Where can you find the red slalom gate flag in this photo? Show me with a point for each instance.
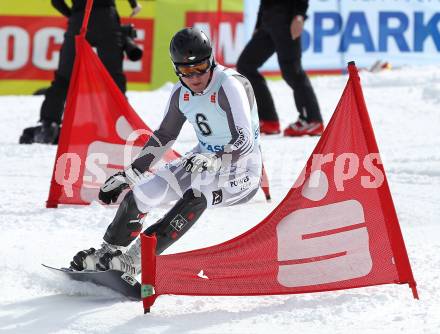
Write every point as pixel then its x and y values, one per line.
pixel 336 228
pixel 101 132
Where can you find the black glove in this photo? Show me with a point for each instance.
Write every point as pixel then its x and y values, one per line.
pixel 197 163
pixel 115 184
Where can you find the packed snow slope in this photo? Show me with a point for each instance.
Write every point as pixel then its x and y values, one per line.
pixel 404 106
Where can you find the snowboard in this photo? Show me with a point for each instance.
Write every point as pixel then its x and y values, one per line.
pixel 116 280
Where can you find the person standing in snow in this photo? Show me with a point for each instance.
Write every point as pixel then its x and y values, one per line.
pixel 278 29
pixel 224 168
pixel 106 35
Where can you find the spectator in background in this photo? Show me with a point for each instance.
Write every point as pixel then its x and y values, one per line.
pixel 278 29
pixel 104 33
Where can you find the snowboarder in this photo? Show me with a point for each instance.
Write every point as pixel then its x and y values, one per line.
pixel 224 168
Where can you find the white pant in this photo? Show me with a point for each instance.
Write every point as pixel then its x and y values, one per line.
pixel 235 184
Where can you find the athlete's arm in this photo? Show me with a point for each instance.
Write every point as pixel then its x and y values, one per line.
pixel 236 98
pixel 163 138
pixel 61 6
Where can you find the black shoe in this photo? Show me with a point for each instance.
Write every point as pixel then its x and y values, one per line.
pixel 47 134
pixel 27 137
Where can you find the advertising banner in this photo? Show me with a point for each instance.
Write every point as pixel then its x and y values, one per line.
pixel 401 32
pixel 34 48
pixel 31 37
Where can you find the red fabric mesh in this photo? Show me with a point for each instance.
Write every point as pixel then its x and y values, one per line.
pixel 97 122
pixel 317 238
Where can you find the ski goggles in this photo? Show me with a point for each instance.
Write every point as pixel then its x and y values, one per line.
pixel 190 70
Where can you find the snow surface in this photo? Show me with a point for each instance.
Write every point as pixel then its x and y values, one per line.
pixel 404 107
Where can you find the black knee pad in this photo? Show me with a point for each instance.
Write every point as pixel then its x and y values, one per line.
pixel 178 220
pixel 127 223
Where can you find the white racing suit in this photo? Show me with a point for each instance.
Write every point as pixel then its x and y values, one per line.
pixel 225 119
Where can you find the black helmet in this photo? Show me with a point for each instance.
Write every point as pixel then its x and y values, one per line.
pixel 190 46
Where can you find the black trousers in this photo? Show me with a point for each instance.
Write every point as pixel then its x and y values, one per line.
pixel 272 36
pixel 105 34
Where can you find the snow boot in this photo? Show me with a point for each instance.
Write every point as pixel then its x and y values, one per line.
pixel 303 128
pixel 48 133
pixel 27 137
pixel 269 127
pixel 128 262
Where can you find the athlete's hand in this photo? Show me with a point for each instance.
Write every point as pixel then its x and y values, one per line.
pixel 296 27
pixel 136 10
pixel 197 163
pixel 115 184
